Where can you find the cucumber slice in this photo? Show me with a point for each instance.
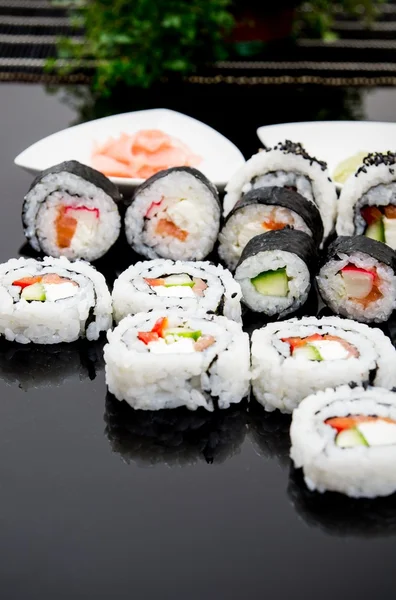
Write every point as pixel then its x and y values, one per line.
pixel 390 232
pixel 185 333
pixel 34 292
pixel 350 438
pixel 272 283
pixel 308 352
pixel 375 231
pixel 173 280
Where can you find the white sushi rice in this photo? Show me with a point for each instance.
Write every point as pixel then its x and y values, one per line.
pixel 191 206
pixel 52 322
pixel 281 381
pixel 41 208
pixel 375 187
pixel 332 288
pixel 247 222
pixel 151 381
pixel 132 294
pixel 311 181
pixel 358 472
pixel 271 260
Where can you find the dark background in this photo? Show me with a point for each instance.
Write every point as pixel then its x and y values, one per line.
pixel 184 506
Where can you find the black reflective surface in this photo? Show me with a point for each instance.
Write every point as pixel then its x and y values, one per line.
pixel 99 502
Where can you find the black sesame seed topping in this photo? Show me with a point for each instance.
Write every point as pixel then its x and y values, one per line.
pixel 376 159
pixel 289 147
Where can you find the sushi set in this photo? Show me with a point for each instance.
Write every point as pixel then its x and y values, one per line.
pixel 177 319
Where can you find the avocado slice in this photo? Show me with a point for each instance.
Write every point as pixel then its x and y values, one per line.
pixel 375 231
pixel 272 283
pixel 185 333
pixel 350 438
pixel 173 280
pixel 309 352
pixel 35 291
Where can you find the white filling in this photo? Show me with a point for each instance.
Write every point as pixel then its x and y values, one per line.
pixel 182 346
pixel 330 349
pixel 58 291
pixel 181 291
pixel 378 433
pixel 390 232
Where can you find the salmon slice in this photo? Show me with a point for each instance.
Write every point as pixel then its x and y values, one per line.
pixel 342 423
pixel 165 227
pixel 65 228
pixel 54 278
pixel 199 286
pixel 205 341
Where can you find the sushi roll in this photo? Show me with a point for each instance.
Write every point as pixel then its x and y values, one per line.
pixel 295 358
pixel 168 359
pixel 174 214
pixel 274 271
pixel 357 279
pixel 70 210
pixel 345 441
pixel 267 209
pixel 367 204
pixel 195 287
pixel 52 300
pixel 286 165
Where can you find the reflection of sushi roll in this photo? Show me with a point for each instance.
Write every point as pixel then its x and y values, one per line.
pixel 339 515
pixel 165 360
pixel 41 366
pixel 367 204
pixel 269 432
pixel 174 437
pixel 358 279
pixel 295 358
pixel 286 165
pixel 70 210
pixel 345 441
pixel 174 214
pixel 52 301
pixel 267 209
pixel 196 287
pixel 274 271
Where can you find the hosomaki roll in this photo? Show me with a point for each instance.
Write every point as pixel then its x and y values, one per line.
pixel 358 280
pixel 295 358
pixel 286 165
pixel 274 271
pixel 52 301
pixel 70 210
pixel 367 204
pixel 174 214
pixel 167 359
pixel 345 441
pixel 195 287
pixel 267 209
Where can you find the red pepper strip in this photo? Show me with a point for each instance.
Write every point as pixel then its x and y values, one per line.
pixel 148 336
pixel 160 326
pixel 26 281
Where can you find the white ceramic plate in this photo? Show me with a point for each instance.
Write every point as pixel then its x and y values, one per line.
pixel 333 141
pixel 220 157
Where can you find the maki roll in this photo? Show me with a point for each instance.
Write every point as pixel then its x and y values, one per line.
pixel 358 279
pixel 367 204
pixel 174 214
pixel 345 441
pixel 293 359
pixel 70 210
pixel 267 209
pixel 286 165
pixel 195 287
pixel 167 359
pixel 52 301
pixel 274 271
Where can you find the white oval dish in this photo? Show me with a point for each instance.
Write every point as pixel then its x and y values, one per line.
pixel 220 157
pixel 333 141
